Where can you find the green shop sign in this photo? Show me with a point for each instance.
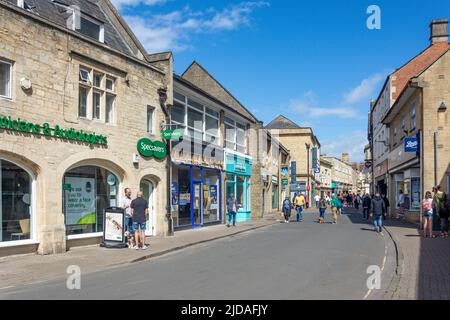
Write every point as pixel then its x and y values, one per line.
pixel 70 134
pixel 149 148
pixel 176 134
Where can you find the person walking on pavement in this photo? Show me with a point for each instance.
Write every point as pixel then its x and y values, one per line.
pixel 377 210
pixel 386 204
pixel 401 205
pixel 126 205
pixel 336 204
pixel 366 206
pixel 357 200
pixel 317 200
pixel 306 201
pixel 299 204
pixel 440 205
pixel 139 212
pixel 322 209
pixel 232 208
pixel 287 207
pixel 428 215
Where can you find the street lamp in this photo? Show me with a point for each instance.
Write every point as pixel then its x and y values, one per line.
pixel 308 146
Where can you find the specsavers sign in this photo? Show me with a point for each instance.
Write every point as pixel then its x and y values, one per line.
pixel 58 132
pixel 80 200
pixel 148 148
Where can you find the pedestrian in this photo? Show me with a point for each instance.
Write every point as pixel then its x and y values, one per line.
pixel 386 204
pixel 428 215
pixel 322 209
pixel 376 212
pixel 139 212
pixel 317 200
pixel 440 204
pixel 126 205
pixel 357 199
pixel 307 201
pixel 287 207
pixel 400 205
pixel 328 199
pixel 299 204
pixel 349 201
pixel 336 204
pixel 232 208
pixel 366 206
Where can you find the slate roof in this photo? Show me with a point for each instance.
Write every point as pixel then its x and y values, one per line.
pixel 281 122
pixel 55 12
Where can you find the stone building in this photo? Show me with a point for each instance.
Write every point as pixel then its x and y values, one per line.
pixel 419 128
pixel 304 148
pixel 77 93
pixel 342 175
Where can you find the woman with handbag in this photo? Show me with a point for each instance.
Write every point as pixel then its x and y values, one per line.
pixel 427 206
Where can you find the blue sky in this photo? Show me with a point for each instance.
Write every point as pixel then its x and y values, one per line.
pixel 314 61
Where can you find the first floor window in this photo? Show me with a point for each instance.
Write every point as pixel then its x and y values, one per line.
pixel 82 102
pixel 15 202
pixel 150 111
pixel 109 108
pixel 5 79
pixel 96 105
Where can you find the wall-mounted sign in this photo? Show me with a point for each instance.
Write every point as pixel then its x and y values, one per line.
pixel 285 170
pixel 70 134
pixel 149 148
pixel 293 172
pixel 317 170
pixel 284 181
pixel 315 161
pixel 176 134
pixel 411 144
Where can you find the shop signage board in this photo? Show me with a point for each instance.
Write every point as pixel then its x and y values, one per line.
pixel 411 144
pixel 45 129
pixel 238 164
pixel 293 172
pixel 315 161
pixel 113 228
pixel 80 202
pixel 285 181
pixel 285 170
pixel 149 148
pixel 317 170
pixel 176 134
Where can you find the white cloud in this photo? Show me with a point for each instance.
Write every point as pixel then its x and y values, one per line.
pixel 353 143
pixel 172 31
pixel 364 91
pixel 309 110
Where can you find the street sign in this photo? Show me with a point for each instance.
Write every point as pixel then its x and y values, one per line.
pixel 317 170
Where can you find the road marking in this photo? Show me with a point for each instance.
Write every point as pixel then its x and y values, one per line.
pixel 367 294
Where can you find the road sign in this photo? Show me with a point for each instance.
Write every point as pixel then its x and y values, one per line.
pixel 317 170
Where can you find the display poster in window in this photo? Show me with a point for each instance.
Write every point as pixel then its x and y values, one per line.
pixel 113 226
pixel 213 195
pixel 174 193
pixel 415 192
pixel 185 198
pixel 80 201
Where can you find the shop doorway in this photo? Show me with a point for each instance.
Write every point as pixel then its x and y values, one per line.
pixel 198 204
pixel 148 188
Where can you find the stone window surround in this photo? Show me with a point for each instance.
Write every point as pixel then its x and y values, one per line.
pixel 89 85
pixel 10 63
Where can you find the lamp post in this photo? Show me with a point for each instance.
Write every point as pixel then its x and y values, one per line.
pixel 308 146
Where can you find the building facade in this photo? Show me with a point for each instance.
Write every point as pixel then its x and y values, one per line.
pixel 72 102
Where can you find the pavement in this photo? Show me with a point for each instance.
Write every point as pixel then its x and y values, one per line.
pixel 34 268
pixel 281 261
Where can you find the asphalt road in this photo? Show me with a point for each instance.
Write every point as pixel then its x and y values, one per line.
pixel 285 261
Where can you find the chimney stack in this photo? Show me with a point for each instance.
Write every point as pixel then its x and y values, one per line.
pixel 345 157
pixel 439 31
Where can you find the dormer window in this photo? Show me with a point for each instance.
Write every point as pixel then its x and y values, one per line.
pixel 91 28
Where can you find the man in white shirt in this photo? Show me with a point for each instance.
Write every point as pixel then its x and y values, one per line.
pixel 401 205
pixel 126 205
pixel 317 200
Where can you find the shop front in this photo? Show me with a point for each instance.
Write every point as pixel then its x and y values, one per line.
pixel 238 182
pixel 196 196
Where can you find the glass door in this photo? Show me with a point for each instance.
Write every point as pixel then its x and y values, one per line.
pixel 198 204
pixel 148 190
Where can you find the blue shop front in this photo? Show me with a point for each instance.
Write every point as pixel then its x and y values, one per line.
pixel 196 195
pixel 238 181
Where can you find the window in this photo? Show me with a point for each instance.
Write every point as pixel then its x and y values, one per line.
pixel 235 135
pixel 91 28
pixel 150 111
pixel 82 104
pixel 413 117
pixel 96 105
pixel 15 203
pixel 403 122
pixel 97 98
pixel 178 113
pixel 5 79
pixel 110 108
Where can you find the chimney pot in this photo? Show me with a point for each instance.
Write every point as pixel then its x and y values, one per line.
pixel 439 31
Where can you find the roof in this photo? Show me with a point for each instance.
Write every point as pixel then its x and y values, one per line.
pixel 198 75
pixel 281 122
pixel 416 66
pixel 55 11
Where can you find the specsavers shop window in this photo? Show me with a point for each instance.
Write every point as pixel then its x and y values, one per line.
pixel 15 202
pixel 88 191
